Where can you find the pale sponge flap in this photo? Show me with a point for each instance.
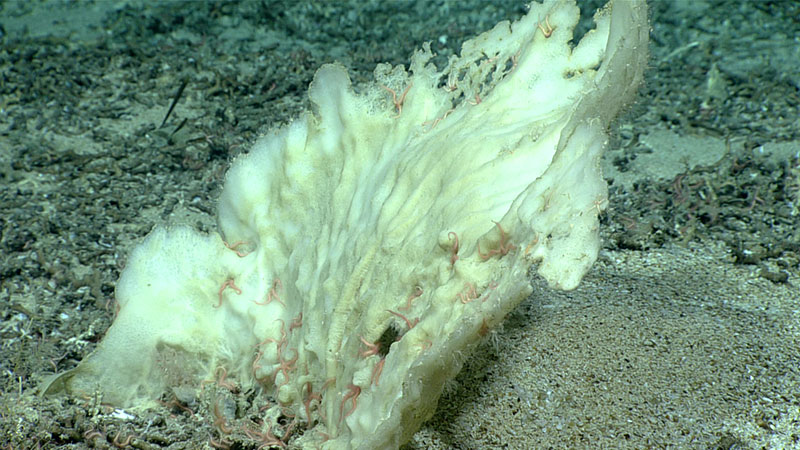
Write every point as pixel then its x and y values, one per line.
pixel 168 330
pixel 368 246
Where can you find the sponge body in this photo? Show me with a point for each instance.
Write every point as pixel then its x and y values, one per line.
pixel 366 247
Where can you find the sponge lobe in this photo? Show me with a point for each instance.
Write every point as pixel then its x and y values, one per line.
pixel 166 309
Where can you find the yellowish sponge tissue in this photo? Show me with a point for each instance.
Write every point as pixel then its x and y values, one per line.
pixel 364 249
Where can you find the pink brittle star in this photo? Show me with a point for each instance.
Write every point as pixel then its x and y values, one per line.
pixel 398 102
pixel 417 292
pixel 228 283
pixel 236 245
pixel 504 248
pixel 273 294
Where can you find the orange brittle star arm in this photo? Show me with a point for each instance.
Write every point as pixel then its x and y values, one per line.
pixel 408 322
pixel 454 256
pixel 236 245
pixel 547 30
pixel 352 396
pixel 372 349
pixel 376 371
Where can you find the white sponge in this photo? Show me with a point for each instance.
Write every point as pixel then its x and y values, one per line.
pixel 368 246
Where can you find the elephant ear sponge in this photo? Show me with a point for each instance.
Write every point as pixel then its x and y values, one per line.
pixel 365 248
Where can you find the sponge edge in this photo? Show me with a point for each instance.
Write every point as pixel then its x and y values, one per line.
pixel 168 319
